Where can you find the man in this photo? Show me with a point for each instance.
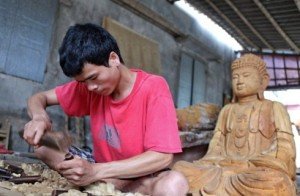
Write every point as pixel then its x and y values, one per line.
pixel 133 119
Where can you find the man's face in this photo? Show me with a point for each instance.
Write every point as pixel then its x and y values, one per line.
pixel 99 79
pixel 246 81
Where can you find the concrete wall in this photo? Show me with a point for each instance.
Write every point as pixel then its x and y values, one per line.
pixel 14 91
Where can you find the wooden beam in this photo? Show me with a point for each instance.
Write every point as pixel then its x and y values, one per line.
pixel 172 1
pixel 216 9
pixel 249 24
pixel 298 4
pixel 277 27
pixel 148 14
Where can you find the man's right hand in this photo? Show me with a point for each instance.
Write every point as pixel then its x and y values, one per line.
pixel 40 123
pixel 35 129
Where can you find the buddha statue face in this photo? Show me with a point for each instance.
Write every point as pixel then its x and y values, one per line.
pixel 249 77
pixel 246 81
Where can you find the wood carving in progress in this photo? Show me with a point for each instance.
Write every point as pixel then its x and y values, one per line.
pixel 252 151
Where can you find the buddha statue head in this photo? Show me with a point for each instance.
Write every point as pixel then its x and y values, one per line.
pixel 249 77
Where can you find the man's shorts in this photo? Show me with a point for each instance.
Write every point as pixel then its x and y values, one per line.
pixel 82 153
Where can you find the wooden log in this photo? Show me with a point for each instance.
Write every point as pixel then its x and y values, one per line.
pixel 198 117
pixel 190 139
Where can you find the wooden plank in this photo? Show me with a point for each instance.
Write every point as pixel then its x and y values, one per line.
pixel 5 127
pixel 137 50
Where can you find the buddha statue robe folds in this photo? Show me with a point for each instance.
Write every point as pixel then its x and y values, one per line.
pixel 252 151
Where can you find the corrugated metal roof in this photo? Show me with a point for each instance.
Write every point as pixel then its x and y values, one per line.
pixel 257 24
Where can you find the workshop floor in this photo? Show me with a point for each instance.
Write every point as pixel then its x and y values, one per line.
pixel 30 160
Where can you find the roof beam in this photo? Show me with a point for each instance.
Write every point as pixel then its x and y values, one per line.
pixel 216 9
pixel 298 4
pixel 276 25
pixel 249 24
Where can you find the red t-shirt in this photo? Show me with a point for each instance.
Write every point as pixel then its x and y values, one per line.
pixel 144 120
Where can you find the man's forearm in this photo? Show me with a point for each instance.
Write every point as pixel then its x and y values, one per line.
pixel 141 165
pixel 34 129
pixel 36 106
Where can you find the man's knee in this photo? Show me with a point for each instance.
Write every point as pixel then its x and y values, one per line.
pixel 171 183
pixel 48 156
pixel 40 152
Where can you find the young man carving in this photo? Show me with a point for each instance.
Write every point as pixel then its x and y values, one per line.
pixel 133 119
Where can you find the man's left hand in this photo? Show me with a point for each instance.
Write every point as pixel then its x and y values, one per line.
pixel 78 171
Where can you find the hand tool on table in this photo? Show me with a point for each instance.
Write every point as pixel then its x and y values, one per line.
pixel 7 174
pixel 15 169
pixel 8 169
pixel 57 140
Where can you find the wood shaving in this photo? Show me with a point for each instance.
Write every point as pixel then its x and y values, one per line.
pixel 32 169
pixel 73 192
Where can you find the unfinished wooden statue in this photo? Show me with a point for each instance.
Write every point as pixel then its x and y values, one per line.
pixel 252 151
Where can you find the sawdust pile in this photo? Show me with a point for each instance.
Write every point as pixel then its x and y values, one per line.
pixel 52 180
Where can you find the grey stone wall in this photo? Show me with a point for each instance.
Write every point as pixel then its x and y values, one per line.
pixel 15 91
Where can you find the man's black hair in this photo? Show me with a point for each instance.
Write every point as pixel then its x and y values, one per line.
pixel 86 43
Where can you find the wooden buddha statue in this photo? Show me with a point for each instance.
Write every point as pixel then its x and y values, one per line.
pixel 252 151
